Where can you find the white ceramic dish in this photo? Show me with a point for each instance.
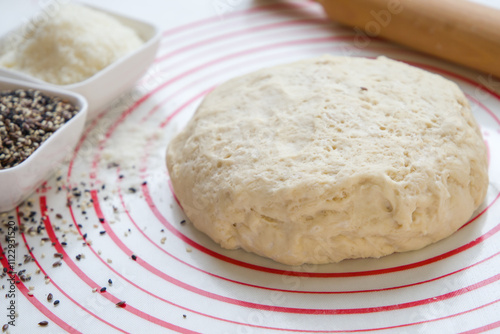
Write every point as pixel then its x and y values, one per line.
pixel 19 182
pixel 107 84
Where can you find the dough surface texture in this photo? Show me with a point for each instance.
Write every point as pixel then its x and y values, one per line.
pixel 330 158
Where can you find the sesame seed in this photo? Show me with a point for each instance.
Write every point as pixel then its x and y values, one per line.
pixel 56 302
pixel 121 303
pixel 103 289
pixel 134 257
pixel 43 323
pixel 49 297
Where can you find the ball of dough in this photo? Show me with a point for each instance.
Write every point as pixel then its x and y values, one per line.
pixel 330 158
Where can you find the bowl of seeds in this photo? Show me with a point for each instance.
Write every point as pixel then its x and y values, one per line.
pixel 39 127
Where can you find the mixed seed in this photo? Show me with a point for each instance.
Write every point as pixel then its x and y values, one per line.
pixel 27 119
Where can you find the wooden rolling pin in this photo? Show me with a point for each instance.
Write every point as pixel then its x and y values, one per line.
pixel 456 30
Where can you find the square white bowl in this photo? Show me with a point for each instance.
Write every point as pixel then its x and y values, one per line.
pixel 18 182
pixel 116 78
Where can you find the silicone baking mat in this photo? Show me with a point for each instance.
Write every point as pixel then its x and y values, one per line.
pixel 106 228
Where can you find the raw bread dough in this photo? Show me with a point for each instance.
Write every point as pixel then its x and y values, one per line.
pixel 330 158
